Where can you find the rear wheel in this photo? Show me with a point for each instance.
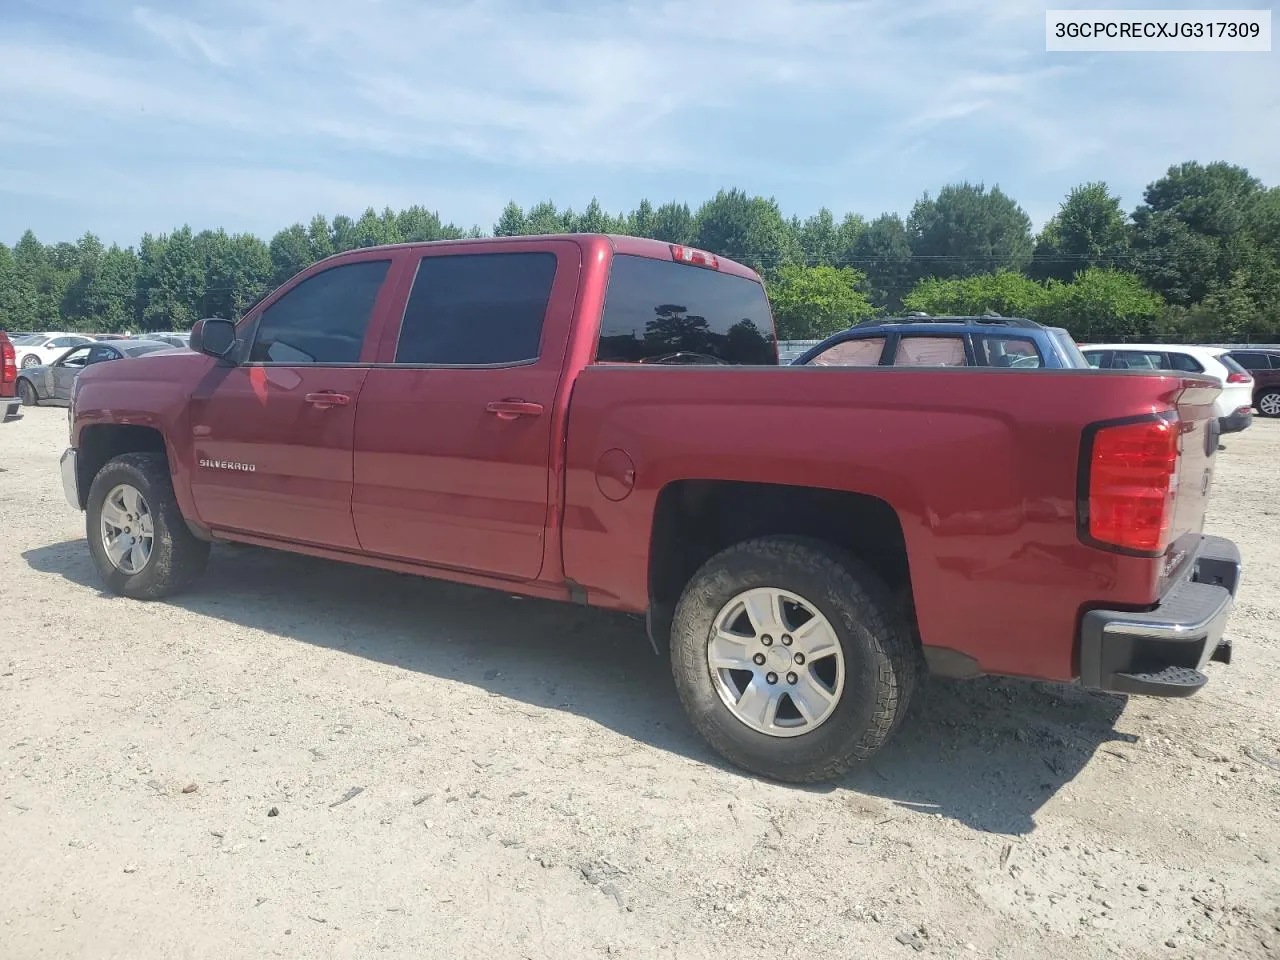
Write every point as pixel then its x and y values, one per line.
pixel 28 393
pixel 139 541
pixel 792 659
pixel 1269 403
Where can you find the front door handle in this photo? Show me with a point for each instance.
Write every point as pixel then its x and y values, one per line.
pixel 512 409
pixel 327 398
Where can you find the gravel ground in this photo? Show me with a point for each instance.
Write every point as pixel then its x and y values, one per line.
pixel 305 759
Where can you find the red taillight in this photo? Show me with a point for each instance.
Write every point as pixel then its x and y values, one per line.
pixel 8 362
pixel 697 258
pixel 1239 378
pixel 1132 467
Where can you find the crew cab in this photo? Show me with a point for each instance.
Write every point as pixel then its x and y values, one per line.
pixel 603 420
pixel 9 399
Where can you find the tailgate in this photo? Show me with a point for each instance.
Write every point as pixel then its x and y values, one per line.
pixel 1197 452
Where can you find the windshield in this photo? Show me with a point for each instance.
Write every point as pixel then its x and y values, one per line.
pixel 26 340
pixel 138 349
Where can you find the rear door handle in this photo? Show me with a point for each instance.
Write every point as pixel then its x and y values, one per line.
pixel 512 409
pixel 327 398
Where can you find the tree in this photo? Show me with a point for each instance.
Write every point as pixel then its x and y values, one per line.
pixel 883 252
pixel 641 220
pixel 319 237
pixel 171 281
pixel 1089 230
pixel 968 230
pixel 544 219
pixel 1102 304
pixel 814 302
pixel 344 233
pixel 110 298
pixel 750 230
pixel 511 223
pixel 673 222
pixel 1004 292
pixel 821 243
pixel 291 251
pixel 1189 234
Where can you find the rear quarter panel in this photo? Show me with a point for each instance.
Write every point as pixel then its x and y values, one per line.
pixel 981 467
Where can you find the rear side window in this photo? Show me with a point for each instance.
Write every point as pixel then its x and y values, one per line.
pixel 1251 361
pixel 851 353
pixel 1093 358
pixel 658 311
pixel 477 309
pixel 323 319
pixel 1137 360
pixel 1187 363
pixel 930 352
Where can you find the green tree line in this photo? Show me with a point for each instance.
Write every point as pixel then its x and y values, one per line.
pixel 1198 259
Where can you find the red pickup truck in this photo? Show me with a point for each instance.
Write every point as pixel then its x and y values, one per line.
pixel 603 420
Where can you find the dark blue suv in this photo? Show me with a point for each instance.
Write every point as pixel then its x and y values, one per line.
pixel 921 340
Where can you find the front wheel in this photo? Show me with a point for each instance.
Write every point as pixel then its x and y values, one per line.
pixel 139 541
pixel 1269 404
pixel 27 393
pixel 792 659
pixel 29 361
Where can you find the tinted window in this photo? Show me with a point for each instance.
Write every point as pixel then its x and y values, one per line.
pixel 1250 361
pixel 477 309
pixel 1009 352
pixel 1231 364
pixel 851 353
pixel 930 352
pixel 657 311
pixel 1185 363
pixel 323 319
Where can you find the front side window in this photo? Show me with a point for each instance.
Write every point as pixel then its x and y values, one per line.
pixel 477 309
pixel 1093 358
pixel 851 353
pixel 323 319
pixel 97 354
pixel 658 311
pixel 1010 352
pixel 76 358
pixel 930 352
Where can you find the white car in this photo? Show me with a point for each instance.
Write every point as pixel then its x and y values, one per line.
pixel 1234 406
pixel 41 349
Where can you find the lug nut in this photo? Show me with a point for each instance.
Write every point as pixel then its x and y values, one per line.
pixel 771 677
pixel 799 659
pixel 759 659
pixel 792 679
pixel 767 640
pixel 786 639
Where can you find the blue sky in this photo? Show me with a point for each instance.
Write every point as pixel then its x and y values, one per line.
pixel 252 114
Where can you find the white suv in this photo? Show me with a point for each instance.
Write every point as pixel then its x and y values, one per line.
pixel 1234 406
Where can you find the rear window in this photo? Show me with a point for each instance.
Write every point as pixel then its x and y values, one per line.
pixel 657 311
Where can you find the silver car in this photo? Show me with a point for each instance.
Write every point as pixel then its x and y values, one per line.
pixel 52 383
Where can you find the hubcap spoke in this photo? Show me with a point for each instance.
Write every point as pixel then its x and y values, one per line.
pixel 728 651
pixel 816 639
pixel 113 514
pixel 117 548
pixel 131 500
pixel 764 607
pixel 759 702
pixel 811 698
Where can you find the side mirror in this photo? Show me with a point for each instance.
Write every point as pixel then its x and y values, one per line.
pixel 213 336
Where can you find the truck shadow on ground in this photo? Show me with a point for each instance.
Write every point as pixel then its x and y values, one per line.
pixel 987 753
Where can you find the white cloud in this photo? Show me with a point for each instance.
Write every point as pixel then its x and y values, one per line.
pixel 861 105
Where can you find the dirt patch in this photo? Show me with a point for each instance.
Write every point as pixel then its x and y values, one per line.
pixel 301 758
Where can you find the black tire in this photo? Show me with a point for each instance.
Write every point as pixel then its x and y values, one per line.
pixel 27 393
pixel 882 663
pixel 1270 398
pixel 177 558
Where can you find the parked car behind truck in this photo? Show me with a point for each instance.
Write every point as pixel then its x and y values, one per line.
pixel 520 413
